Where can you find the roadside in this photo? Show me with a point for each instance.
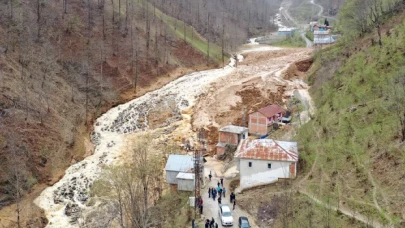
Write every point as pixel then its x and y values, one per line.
pixel 210 206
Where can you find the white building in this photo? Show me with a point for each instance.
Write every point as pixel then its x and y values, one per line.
pixel 323 37
pixel 264 161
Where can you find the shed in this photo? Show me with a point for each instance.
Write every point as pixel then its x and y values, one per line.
pixel 177 164
pixel 185 181
pixel 231 135
pixel 284 31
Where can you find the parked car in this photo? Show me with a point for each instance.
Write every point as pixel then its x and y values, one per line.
pixel 225 215
pixel 244 222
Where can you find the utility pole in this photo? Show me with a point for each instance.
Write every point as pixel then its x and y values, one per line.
pixel 198 167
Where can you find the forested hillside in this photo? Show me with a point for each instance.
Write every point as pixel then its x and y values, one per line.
pixel 63 62
pixel 353 150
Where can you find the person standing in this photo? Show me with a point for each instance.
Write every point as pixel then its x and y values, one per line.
pixel 193 223
pixel 218 184
pixel 201 209
pixel 207 223
pixel 222 181
pixel 219 199
pixel 209 192
pixel 214 194
pixel 210 176
pixel 212 223
pixel 216 225
pixel 224 191
pixel 234 204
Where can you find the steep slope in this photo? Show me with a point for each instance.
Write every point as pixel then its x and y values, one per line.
pixel 354 146
pixel 63 63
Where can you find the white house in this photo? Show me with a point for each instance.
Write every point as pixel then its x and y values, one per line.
pixel 264 161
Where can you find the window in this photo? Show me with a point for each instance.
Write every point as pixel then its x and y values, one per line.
pixel 250 164
pixel 269 165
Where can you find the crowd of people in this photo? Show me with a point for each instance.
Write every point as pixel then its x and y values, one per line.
pixel 214 192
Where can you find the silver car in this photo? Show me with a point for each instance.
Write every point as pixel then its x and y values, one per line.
pixel 225 215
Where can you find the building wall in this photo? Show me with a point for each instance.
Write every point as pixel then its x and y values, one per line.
pixel 171 177
pixel 257 124
pixel 279 169
pixel 185 185
pixel 259 174
pixel 227 137
pixel 293 170
pixel 220 150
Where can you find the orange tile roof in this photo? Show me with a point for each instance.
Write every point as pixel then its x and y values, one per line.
pixel 267 149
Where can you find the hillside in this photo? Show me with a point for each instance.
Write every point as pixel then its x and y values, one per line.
pixel 353 149
pixel 63 63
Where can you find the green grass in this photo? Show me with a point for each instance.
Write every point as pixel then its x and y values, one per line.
pixel 192 37
pixel 304 12
pixel 350 144
pixel 294 41
pixel 309 35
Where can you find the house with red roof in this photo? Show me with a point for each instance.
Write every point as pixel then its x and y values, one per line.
pixel 264 161
pixel 260 121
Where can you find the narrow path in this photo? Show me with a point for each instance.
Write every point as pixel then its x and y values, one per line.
pixel 350 213
pixel 321 11
pixel 211 206
pixel 375 201
pixel 285 6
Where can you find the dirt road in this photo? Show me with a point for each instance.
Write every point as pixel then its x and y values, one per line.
pixel 211 206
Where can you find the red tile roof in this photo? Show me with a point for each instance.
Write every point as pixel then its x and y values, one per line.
pixel 267 149
pixel 271 110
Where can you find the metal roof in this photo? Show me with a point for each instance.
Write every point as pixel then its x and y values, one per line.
pixel 181 163
pixel 186 176
pixel 221 144
pixel 271 110
pixel 234 129
pixel 267 149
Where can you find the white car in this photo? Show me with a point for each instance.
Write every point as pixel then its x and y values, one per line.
pixel 225 215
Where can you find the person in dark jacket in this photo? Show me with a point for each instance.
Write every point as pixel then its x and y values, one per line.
pixel 207 223
pixel 222 181
pixel 219 199
pixel 234 204
pixel 212 223
pixel 216 225
pixel 209 192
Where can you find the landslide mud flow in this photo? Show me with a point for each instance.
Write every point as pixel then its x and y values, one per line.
pixel 202 98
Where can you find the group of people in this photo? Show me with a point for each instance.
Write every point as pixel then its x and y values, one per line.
pixel 213 192
pixel 211 223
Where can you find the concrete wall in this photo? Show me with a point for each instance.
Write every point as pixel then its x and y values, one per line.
pixel 185 185
pixel 259 174
pixel 279 169
pixel 257 124
pixel 171 177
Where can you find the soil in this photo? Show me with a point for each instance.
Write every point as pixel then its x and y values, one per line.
pixel 258 81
